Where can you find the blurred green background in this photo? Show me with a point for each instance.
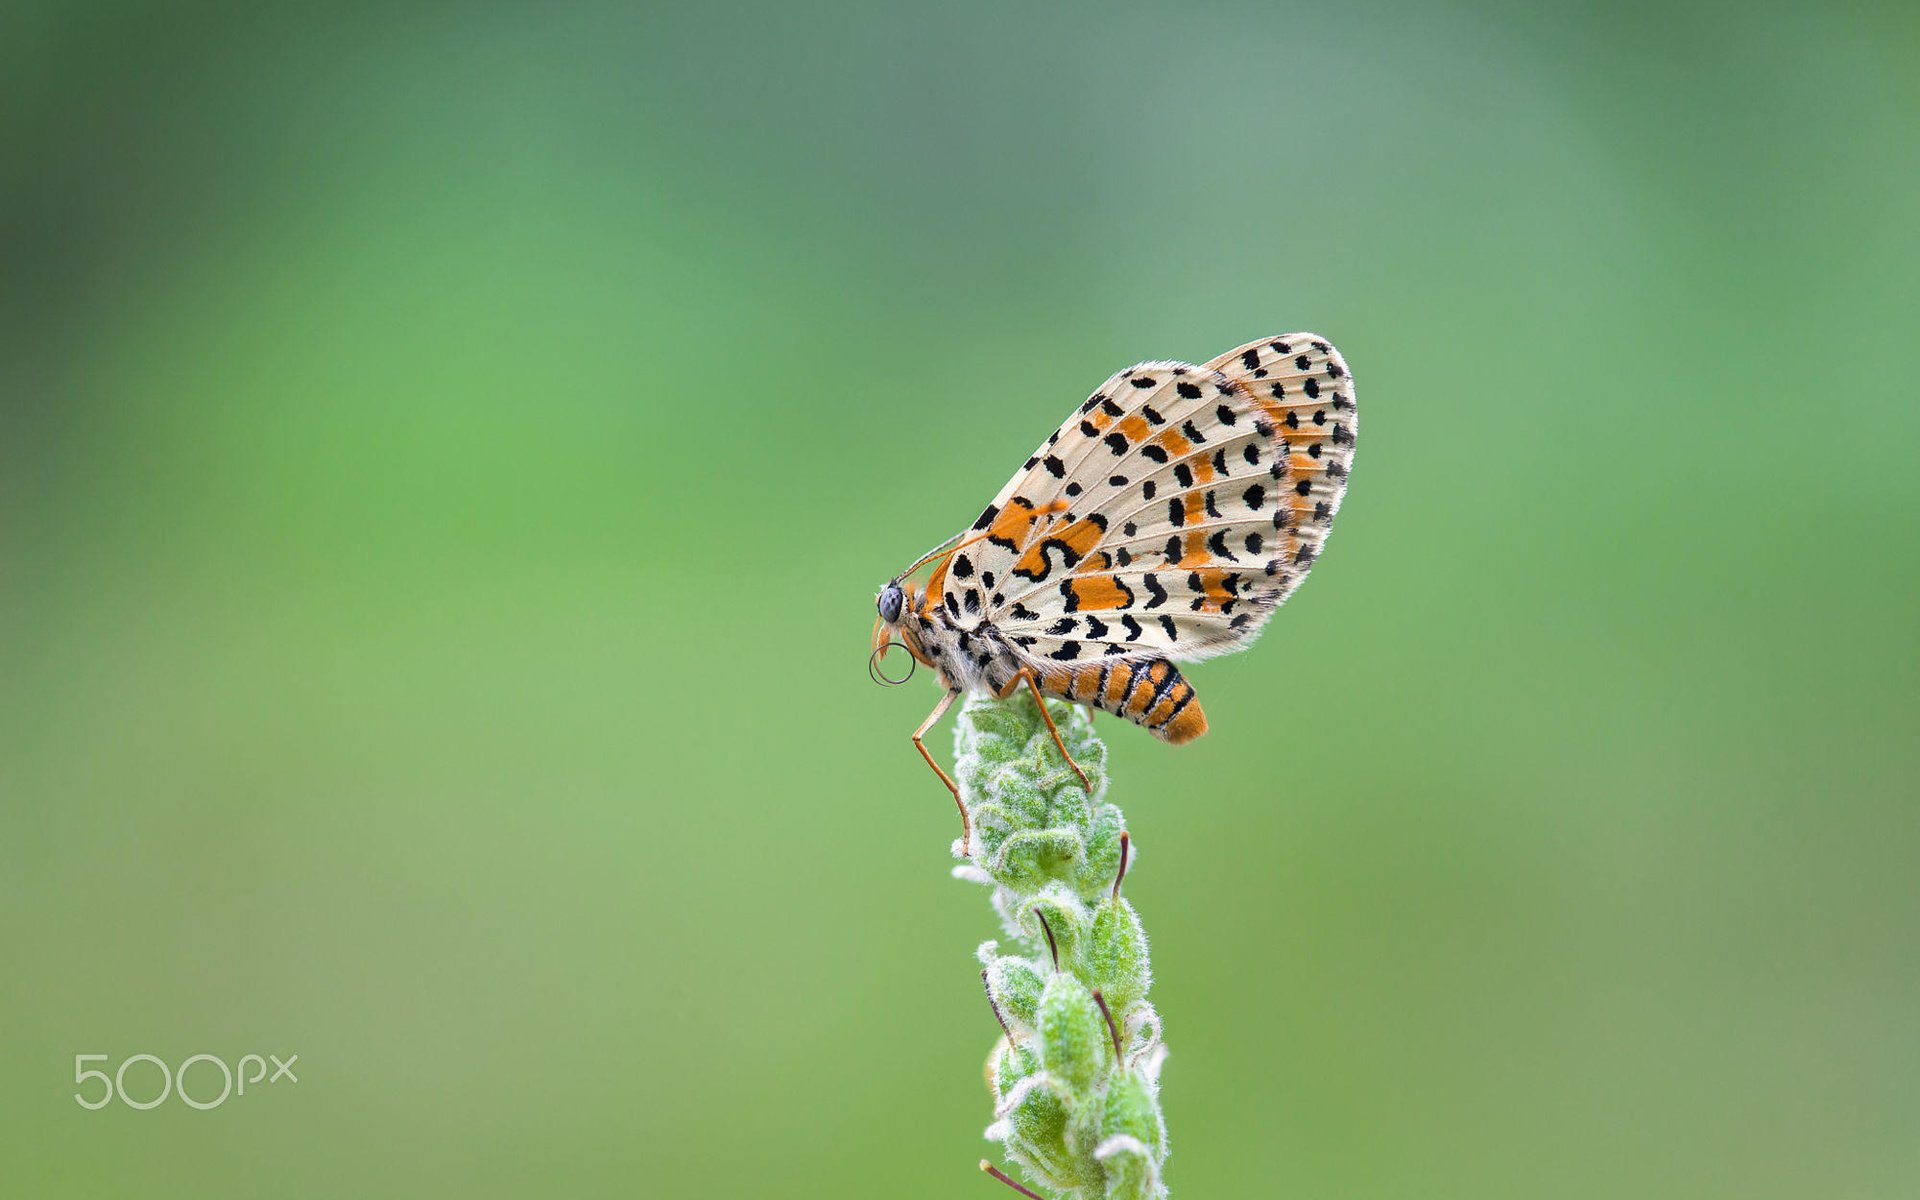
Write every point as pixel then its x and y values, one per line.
pixel 447 453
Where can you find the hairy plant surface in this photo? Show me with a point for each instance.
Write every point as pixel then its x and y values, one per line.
pixel 1075 1079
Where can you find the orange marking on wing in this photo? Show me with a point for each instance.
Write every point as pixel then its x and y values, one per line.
pixel 1083 535
pixel 1193 551
pixel 1080 537
pixel 1098 592
pixel 936 587
pixel 1134 427
pixel 1013 523
pixel 1175 442
pixel 1214 580
pixel 1202 468
pixel 1016 524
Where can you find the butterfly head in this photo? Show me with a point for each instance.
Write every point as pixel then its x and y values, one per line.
pixel 894 627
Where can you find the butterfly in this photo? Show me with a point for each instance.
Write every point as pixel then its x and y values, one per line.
pixel 1162 523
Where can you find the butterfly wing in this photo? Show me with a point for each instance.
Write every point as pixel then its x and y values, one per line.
pixel 1172 513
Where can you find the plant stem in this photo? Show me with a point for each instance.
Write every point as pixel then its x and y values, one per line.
pixel 1075 1076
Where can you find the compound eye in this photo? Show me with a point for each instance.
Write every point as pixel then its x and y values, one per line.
pixel 890 600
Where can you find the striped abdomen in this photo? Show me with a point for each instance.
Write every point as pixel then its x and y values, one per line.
pixel 1151 693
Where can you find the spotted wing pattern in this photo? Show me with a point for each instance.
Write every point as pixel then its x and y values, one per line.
pixel 1171 514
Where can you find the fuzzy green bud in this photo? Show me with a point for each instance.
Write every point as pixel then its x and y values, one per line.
pixel 1073 1035
pixel 1016 984
pixel 1117 955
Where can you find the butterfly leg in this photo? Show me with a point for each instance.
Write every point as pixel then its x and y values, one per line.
pixel 940 710
pixel 1033 684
